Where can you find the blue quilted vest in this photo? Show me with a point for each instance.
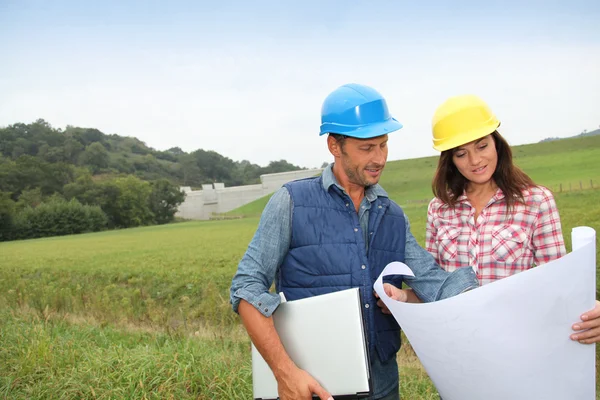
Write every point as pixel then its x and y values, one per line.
pixel 327 253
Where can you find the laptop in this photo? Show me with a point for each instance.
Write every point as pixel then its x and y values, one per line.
pixel 324 335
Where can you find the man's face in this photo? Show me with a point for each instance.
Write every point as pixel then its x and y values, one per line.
pixel 363 160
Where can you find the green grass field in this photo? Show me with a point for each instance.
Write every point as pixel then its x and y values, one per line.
pixel 144 313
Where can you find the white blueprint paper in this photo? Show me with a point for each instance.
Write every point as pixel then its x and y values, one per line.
pixel 508 339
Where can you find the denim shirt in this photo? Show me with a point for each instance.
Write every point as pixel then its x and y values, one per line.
pixel 258 268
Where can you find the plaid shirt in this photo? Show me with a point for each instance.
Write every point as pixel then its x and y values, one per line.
pixel 498 244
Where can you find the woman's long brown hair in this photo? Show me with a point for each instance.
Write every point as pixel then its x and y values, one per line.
pixel 449 184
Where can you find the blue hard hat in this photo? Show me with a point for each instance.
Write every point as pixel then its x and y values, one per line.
pixel 357 111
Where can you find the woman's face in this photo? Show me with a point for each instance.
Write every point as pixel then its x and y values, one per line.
pixel 476 160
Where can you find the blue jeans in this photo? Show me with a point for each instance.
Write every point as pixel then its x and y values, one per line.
pixel 384 378
pixel 394 395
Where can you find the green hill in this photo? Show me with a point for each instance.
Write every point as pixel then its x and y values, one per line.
pixel 551 164
pixel 54 150
pixel 582 134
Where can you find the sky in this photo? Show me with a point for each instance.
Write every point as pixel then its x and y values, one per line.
pixel 247 78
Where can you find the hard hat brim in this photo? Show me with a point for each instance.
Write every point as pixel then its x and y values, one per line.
pixel 466 137
pixel 362 132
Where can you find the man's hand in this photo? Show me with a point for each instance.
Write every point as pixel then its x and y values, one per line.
pixel 297 384
pixel 591 326
pixel 392 291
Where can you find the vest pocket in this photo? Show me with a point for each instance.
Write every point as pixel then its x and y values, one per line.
pixel 508 243
pixel 447 242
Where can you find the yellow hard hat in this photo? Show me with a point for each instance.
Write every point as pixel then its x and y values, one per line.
pixel 460 120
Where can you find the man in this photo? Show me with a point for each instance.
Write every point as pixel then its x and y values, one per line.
pixel 336 232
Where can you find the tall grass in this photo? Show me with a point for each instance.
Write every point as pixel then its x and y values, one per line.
pixel 53 358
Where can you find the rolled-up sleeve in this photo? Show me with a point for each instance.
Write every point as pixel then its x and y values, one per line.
pixel 431 282
pixel 259 265
pixel 431 231
pixel 547 234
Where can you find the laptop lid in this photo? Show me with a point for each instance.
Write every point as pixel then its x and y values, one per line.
pixel 324 335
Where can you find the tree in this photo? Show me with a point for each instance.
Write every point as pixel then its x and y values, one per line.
pixel 52 154
pixel 29 198
pixel 121 164
pixel 71 150
pixel 36 155
pixel 9 176
pixel 33 172
pixel 85 136
pixel 245 173
pixel 22 147
pixel 176 151
pixel 7 211
pixel 132 205
pixel 279 166
pixel 95 156
pixel 213 166
pixel 82 189
pixel 164 200
pixel 146 163
pixel 166 155
pixel 192 176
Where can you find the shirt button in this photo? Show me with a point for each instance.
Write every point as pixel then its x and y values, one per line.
pixel 355 229
pixel 363 266
pixel 347 204
pixel 259 304
pixel 379 206
pixel 367 305
pixel 266 310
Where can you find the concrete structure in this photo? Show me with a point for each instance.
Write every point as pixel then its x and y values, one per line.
pixel 217 199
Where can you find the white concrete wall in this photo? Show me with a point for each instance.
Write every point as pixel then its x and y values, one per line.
pixel 193 206
pixel 234 197
pixel 273 182
pixel 216 198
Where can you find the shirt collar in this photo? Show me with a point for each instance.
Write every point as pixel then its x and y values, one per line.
pixel 371 192
pixel 499 195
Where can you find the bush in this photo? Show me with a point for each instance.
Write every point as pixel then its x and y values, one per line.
pixel 58 217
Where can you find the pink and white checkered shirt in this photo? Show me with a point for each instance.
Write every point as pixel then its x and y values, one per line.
pixel 498 244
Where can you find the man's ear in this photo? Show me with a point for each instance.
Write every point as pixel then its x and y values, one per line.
pixel 334 147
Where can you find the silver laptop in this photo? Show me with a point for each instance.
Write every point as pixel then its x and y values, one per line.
pixel 324 335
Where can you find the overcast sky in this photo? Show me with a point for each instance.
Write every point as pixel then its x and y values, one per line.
pixel 247 79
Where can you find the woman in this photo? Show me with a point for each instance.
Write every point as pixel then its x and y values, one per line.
pixel 487 213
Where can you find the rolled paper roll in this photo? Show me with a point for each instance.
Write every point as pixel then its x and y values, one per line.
pixel 582 235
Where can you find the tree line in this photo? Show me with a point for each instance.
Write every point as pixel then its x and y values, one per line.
pixel 56 182
pixel 102 153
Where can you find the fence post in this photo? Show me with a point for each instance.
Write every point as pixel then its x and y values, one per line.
pixel 560 188
pixel 580 186
pixel 591 184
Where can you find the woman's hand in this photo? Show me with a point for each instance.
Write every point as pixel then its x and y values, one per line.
pixel 590 327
